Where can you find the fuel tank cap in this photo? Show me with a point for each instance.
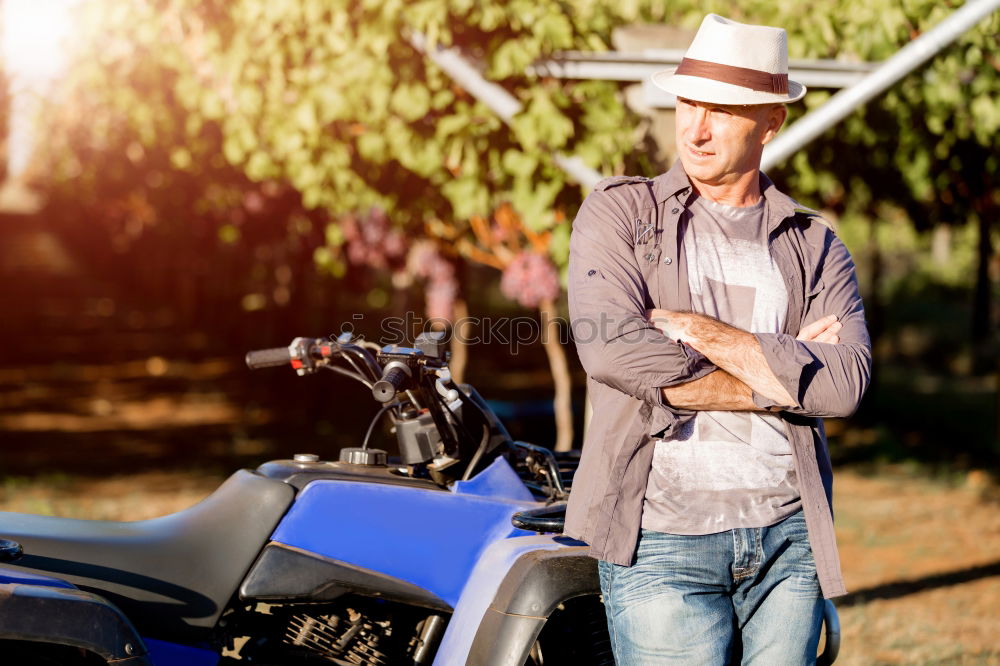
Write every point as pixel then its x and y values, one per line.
pixel 305 457
pixel 359 456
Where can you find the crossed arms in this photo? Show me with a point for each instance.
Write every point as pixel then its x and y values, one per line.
pixel 821 372
pixel 743 369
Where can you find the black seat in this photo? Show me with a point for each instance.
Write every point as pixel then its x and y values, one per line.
pixel 173 575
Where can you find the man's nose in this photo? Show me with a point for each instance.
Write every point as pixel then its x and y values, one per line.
pixel 697 129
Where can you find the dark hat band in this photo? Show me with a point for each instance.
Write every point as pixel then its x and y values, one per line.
pixel 745 77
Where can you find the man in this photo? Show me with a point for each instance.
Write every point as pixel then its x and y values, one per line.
pixel 718 322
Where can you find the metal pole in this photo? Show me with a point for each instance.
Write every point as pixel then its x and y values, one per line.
pixel 497 99
pixel 906 60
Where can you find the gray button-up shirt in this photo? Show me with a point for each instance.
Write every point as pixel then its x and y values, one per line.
pixel 625 257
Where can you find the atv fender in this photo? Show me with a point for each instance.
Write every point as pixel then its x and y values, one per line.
pixel 537 583
pixel 514 587
pixel 67 616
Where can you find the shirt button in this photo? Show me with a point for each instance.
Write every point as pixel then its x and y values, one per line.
pixel 667 260
pixel 591 272
pixel 675 211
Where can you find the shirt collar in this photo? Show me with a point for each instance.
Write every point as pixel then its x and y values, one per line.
pixel 778 202
pixel 675 183
pixel 672 183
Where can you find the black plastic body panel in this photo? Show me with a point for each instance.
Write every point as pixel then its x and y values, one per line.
pixel 511 638
pixel 65 616
pixel 537 583
pixel 173 575
pixel 301 474
pixel 284 573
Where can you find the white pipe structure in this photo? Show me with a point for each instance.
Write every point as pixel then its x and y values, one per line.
pixel 640 65
pixel 906 60
pixel 497 99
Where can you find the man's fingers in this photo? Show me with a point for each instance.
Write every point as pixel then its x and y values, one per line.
pixel 812 331
pixel 659 319
pixel 827 337
pixel 818 326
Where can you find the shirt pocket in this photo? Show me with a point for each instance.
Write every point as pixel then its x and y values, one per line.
pixel 810 299
pixel 647 257
pixel 815 290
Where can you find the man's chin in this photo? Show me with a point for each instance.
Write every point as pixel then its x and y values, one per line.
pixel 699 171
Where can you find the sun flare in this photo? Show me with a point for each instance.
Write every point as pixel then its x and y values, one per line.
pixel 34 34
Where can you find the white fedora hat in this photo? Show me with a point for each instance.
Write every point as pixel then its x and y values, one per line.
pixel 733 63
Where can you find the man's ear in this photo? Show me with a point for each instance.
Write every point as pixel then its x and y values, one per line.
pixel 775 119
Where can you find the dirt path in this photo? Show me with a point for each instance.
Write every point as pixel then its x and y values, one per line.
pixel 922 562
pixel 921 557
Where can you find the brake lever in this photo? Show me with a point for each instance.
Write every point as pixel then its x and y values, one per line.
pixel 443 377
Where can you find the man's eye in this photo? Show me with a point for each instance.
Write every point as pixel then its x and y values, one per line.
pixel 722 112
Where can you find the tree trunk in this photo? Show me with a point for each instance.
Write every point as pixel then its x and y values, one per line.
pixel 874 312
pixel 459 337
pixel 982 315
pixel 562 403
pixel 985 355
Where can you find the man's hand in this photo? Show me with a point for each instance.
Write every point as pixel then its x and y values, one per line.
pixel 821 330
pixel 674 325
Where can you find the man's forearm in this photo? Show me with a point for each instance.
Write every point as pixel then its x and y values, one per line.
pixel 734 350
pixel 717 391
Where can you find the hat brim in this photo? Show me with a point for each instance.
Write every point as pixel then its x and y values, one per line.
pixel 706 90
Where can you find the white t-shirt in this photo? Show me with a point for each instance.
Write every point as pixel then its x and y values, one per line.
pixel 724 470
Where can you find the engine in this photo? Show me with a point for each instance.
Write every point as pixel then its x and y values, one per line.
pixel 352 639
pixel 354 632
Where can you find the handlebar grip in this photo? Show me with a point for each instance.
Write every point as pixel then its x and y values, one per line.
pixel 10 550
pixel 268 358
pixel 394 379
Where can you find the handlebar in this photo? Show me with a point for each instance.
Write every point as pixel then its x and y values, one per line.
pixel 394 378
pixel 445 433
pixel 268 358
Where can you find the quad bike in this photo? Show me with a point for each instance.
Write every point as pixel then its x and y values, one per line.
pixel 449 554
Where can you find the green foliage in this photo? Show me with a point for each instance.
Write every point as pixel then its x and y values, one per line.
pixel 930 144
pixel 139 190
pixel 331 97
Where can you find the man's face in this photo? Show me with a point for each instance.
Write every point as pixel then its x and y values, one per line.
pixel 719 143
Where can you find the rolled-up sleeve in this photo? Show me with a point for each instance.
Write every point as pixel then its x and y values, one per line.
pixel 617 345
pixel 827 380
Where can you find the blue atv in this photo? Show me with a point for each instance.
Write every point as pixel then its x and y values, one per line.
pixel 450 554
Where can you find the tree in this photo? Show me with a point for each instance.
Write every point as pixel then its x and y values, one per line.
pixel 331 98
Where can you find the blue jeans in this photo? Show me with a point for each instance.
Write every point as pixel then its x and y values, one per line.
pixel 749 594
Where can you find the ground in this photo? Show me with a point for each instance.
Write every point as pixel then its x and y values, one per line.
pixel 922 562
pixel 921 555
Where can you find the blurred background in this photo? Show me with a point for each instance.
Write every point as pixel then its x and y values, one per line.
pixel 185 180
